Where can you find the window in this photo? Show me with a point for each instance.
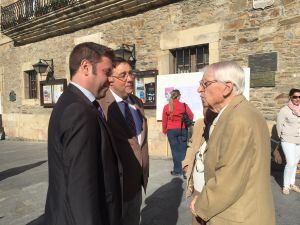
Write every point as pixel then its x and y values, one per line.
pixel 31 84
pixel 190 59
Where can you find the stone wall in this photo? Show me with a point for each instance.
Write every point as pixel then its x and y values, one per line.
pixel 242 31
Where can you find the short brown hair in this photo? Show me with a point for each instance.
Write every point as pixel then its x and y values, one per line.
pixel 90 51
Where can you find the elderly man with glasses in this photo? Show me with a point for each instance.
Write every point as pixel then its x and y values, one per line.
pixel 124 114
pixel 237 158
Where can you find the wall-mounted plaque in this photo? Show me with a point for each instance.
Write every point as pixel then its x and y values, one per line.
pixel 263 62
pixel 12 96
pixel 50 91
pixel 261 4
pixel 262 68
pixel 262 79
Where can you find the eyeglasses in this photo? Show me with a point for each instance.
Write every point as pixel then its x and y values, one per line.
pixel 295 97
pixel 204 85
pixel 124 76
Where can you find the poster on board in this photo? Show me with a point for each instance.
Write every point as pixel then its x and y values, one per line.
pixel 187 84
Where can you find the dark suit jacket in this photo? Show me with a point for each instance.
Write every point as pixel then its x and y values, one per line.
pixel 84 169
pixel 134 157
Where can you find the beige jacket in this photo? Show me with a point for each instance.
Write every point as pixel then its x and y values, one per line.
pixel 237 187
pixel 193 147
pixel 288 126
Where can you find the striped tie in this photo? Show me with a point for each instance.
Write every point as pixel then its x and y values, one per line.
pixel 100 111
pixel 129 118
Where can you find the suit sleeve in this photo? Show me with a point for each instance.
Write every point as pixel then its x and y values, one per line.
pixel 235 159
pixel 164 120
pixel 81 165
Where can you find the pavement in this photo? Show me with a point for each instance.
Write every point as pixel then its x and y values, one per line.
pixel 24 182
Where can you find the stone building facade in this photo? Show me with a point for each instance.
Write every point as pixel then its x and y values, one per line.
pixel 233 30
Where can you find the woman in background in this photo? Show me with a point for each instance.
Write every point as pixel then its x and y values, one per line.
pixel 288 128
pixel 193 162
pixel 176 131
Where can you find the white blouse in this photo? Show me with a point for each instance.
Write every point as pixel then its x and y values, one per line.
pixel 198 172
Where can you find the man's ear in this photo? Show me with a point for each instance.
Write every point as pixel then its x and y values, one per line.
pixel 85 67
pixel 228 89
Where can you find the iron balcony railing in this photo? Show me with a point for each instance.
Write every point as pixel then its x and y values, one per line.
pixel 26 10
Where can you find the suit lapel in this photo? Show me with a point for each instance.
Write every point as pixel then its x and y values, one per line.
pixel 143 119
pixel 112 111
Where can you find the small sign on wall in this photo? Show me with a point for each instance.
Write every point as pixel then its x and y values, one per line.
pixel 12 96
pixel 50 91
pixel 145 87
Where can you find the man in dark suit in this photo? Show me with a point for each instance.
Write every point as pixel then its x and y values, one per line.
pixel 84 169
pixel 125 116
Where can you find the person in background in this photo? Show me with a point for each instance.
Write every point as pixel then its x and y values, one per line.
pixel 124 113
pixel 85 173
pixel 288 129
pixel 199 137
pixel 237 187
pixel 176 131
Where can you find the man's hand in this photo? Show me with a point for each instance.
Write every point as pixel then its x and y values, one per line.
pixel 192 205
pixel 192 208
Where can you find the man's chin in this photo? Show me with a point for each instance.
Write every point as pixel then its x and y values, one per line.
pixel 129 90
pixel 102 92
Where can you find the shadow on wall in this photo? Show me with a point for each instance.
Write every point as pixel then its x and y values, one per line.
pixel 162 206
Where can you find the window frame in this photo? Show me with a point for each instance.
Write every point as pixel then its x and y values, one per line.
pixel 46 86
pixel 192 57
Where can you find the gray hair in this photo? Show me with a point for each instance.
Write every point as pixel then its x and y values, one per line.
pixel 228 71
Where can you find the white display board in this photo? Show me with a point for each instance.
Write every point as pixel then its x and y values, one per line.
pixel 187 84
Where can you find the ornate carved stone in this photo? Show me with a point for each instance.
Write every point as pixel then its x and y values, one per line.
pixel 261 4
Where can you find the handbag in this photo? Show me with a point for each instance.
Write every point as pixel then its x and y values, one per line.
pixel 185 119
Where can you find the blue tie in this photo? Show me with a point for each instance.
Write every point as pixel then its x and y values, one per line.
pixel 129 118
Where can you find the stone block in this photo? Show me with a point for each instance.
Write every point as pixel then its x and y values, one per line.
pixel 234 25
pixel 26 126
pixel 264 31
pixel 190 37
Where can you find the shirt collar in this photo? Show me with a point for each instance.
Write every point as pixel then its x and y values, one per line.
pixel 118 98
pixel 86 92
pixel 217 118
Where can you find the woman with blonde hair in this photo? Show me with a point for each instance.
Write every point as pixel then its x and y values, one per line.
pixel 176 130
pixel 288 128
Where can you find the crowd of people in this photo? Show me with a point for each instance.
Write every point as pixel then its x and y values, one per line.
pixel 98 150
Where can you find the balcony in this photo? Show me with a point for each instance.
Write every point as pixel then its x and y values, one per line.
pixel 27 21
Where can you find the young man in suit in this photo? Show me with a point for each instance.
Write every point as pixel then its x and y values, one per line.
pixel 84 169
pixel 124 113
pixel 237 186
